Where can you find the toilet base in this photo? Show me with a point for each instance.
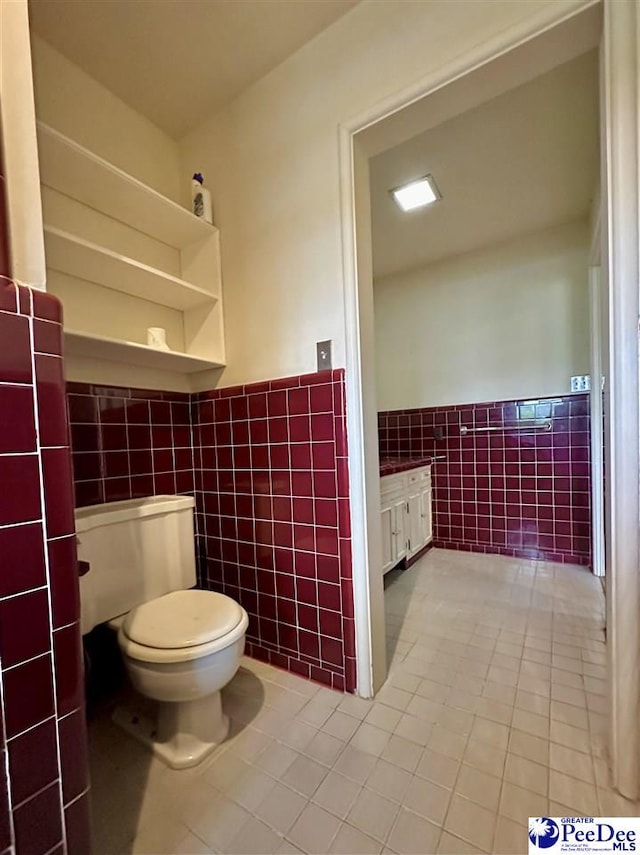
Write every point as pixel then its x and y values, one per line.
pixel 185 733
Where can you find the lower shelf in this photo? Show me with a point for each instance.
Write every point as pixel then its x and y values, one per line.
pixel 131 353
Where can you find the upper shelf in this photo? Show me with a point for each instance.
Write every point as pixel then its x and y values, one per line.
pixel 79 343
pixel 85 260
pixel 75 171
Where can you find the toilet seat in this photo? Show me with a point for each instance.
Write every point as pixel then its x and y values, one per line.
pixel 182 626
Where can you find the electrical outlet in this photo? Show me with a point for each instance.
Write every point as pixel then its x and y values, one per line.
pixel 581 383
pixel 323 355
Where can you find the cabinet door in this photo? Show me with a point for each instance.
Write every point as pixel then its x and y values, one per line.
pixel 414 520
pixel 426 514
pixel 399 530
pixel 387 528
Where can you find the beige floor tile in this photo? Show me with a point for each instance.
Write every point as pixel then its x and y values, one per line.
pixel 219 822
pixel 471 822
pixel 402 752
pixel 276 759
pixel 314 830
pixel 479 787
pixel 570 737
pixel 569 714
pixel 352 841
pixel 325 748
pixel 192 845
pixel 373 814
pixel 445 742
pixel 413 835
pixel 511 838
pixel 355 764
pixel 305 776
pixel 394 697
pixel 525 773
pixel 254 838
pixel 571 762
pixel 281 808
pixel 427 799
pixel 494 710
pixel 415 729
pixel 530 702
pixel 527 745
pixel 249 790
pixel 519 804
pixel 438 767
pixel 498 692
pixel 492 732
pixel 383 717
pixel 389 780
pixel 536 725
pixel 370 739
pixel 570 791
pixel 354 706
pixel 340 725
pixel 337 794
pixel 450 845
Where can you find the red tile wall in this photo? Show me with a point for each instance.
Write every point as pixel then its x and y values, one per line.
pixel 267 464
pixel 273 518
pixel 44 798
pixel 512 492
pixel 129 443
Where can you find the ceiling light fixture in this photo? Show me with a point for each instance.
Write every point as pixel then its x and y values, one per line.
pixel 416 194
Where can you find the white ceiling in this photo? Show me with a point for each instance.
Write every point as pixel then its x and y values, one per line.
pixel 523 161
pixel 177 61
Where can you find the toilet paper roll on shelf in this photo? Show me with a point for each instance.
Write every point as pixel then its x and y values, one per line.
pixel 157 338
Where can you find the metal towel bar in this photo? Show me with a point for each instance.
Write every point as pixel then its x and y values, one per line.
pixel 546 426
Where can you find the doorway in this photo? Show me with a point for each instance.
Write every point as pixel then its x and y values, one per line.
pixel 553 43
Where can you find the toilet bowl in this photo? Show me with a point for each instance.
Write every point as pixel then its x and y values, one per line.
pixel 180 646
pixel 180 650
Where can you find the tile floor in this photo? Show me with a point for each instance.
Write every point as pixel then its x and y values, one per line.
pixel 493 711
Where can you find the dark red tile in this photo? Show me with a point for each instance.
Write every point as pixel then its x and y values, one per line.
pixel 63 572
pixel 24 627
pixel 46 306
pixel 69 669
pixel 7 291
pixel 47 337
pixel 58 492
pixel 15 357
pixel 38 822
pixel 17 425
pixel 77 819
pixel 28 695
pixel 20 494
pixel 5 813
pixel 52 408
pixel 73 755
pixel 22 559
pixel 33 761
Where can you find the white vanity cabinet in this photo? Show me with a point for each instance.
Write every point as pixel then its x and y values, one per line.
pixel 405 514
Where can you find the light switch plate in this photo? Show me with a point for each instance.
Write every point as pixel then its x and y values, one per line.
pixel 581 383
pixel 323 355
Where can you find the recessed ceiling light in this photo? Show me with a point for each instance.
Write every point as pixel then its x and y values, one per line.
pixel 416 194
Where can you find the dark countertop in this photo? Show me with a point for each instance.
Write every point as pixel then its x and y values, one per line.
pixel 392 465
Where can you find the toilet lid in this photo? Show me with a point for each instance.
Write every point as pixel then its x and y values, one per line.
pixel 182 619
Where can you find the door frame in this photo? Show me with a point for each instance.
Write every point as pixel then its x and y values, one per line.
pixel 621 208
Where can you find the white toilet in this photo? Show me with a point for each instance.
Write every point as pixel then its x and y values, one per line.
pixel 180 646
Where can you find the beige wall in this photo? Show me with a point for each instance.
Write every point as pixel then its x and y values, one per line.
pixel 271 159
pixel 508 321
pixel 75 104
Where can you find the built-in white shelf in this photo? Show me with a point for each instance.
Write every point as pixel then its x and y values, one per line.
pixel 69 168
pixel 79 343
pixel 74 256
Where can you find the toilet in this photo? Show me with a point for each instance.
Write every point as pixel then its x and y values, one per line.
pixel 180 646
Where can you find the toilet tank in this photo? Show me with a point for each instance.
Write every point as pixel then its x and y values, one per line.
pixel 137 550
